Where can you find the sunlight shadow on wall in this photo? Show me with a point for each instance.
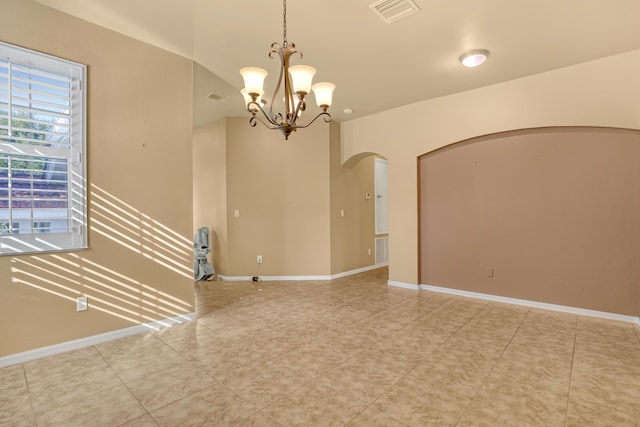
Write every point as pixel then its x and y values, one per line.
pixel 117 291
pixel 136 231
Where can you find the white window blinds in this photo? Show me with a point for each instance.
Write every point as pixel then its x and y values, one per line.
pixel 42 145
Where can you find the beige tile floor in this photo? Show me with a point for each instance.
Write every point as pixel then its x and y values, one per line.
pixel 350 352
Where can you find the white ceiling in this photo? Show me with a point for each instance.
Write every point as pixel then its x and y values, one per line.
pixel 376 66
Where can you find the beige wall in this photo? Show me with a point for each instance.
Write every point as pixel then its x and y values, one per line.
pixel 281 190
pixel 597 93
pixel 210 189
pixel 139 265
pixel 289 195
pixel 554 212
pixel 352 235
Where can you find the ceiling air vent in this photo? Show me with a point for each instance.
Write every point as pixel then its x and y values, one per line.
pixel 392 10
pixel 217 96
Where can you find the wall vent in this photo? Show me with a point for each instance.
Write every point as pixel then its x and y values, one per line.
pixel 392 10
pixel 382 250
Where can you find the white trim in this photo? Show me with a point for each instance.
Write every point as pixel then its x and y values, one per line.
pixel 271 278
pixel 234 278
pixel 66 143
pixel 384 250
pixel 535 304
pixel 403 285
pixel 359 270
pixel 302 278
pixel 376 177
pixel 38 353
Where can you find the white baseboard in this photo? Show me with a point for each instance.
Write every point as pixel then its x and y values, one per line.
pixel 293 278
pixel 271 278
pixel 234 278
pixel 302 278
pixel 535 304
pixel 359 270
pixel 38 353
pixel 403 285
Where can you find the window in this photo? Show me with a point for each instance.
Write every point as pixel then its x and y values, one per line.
pixel 41 227
pixel 42 153
pixel 9 228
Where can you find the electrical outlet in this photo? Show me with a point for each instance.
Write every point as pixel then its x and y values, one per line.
pixel 259 259
pixel 82 304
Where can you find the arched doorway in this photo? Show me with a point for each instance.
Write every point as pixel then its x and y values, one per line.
pixel 359 217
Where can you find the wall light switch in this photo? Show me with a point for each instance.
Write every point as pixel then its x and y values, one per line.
pixel 367 196
pixel 489 272
pixel 341 212
pixel 236 213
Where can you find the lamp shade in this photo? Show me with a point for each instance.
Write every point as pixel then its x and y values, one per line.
pixel 253 79
pixel 324 93
pixel 301 78
pixel 247 99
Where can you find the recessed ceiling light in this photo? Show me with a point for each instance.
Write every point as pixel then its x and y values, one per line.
pixel 348 111
pixel 475 57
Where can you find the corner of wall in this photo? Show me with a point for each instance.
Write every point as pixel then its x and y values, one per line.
pixel 210 188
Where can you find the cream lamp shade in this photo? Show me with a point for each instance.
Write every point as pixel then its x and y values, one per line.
pixel 253 79
pixel 301 78
pixel 324 93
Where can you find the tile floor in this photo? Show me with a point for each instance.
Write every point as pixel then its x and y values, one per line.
pixel 352 352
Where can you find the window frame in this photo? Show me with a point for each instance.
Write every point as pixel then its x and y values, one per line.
pixel 70 149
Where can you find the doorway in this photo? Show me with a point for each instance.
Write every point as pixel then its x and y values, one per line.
pixel 381 191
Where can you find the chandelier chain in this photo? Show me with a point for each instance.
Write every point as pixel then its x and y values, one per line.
pixel 284 21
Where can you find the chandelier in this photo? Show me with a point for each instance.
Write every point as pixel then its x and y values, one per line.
pixel 295 81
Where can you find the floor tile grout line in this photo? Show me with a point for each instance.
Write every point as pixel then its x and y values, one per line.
pixel 220 383
pixel 26 380
pixel 149 412
pixel 42 413
pixel 139 403
pixel 125 385
pixel 573 359
pixel 383 309
pixel 315 340
pixel 392 385
pixel 493 368
pixel 403 377
pixel 29 398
